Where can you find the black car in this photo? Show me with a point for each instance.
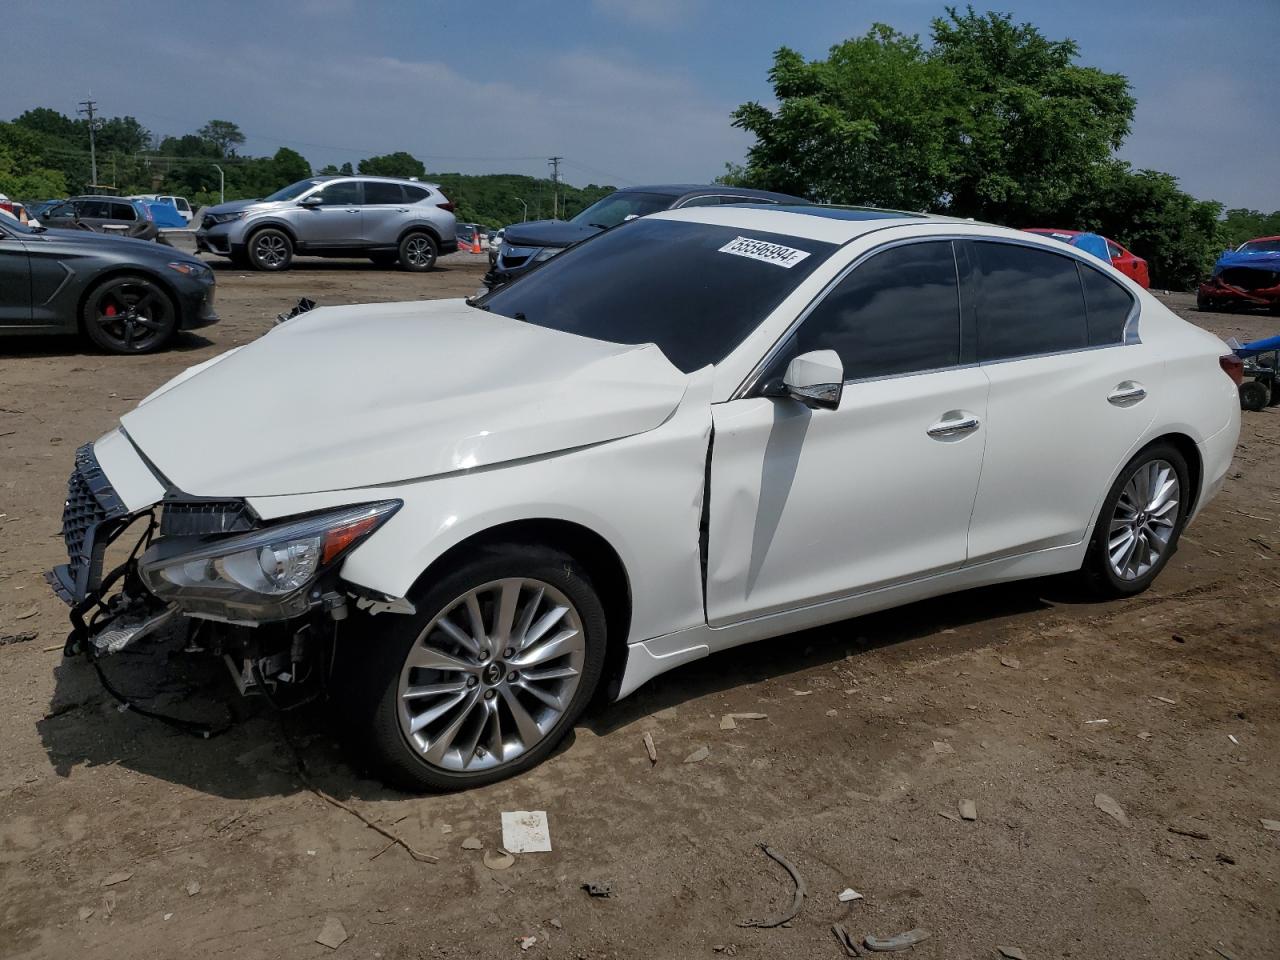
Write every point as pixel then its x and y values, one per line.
pixel 128 296
pixel 103 214
pixel 525 245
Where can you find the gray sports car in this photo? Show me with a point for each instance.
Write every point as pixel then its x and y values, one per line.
pixel 127 296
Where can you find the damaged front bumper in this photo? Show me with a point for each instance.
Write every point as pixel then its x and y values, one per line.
pixel 1240 286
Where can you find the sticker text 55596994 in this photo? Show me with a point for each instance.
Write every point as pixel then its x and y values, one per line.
pixel 774 253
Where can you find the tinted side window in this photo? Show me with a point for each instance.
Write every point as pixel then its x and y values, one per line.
pixel 414 194
pixel 1027 302
pixel 123 211
pixel 896 313
pixel 376 191
pixel 1107 304
pixel 339 194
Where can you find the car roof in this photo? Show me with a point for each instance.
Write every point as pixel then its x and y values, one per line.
pixel 1254 239
pixel 831 224
pixel 674 190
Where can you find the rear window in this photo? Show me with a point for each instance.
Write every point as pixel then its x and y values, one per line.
pixel 695 290
pixel 1108 306
pixel 1028 302
pixel 379 191
pixel 123 211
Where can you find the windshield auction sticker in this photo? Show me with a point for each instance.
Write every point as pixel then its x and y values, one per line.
pixel 774 253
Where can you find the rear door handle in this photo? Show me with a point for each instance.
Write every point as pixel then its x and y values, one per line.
pixel 1127 393
pixel 946 429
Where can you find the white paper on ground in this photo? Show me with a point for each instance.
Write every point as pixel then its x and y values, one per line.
pixel 525 831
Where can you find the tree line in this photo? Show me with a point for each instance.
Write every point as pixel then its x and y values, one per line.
pixel 44 154
pixel 991 120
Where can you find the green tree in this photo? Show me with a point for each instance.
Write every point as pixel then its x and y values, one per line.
pixel 993 120
pixel 290 166
pixel 1178 235
pixel 23 174
pixel 398 164
pixel 224 135
pixel 1241 224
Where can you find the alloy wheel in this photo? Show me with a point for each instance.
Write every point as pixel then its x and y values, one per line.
pixel 270 250
pixel 132 316
pixel 491 675
pixel 418 252
pixel 1144 520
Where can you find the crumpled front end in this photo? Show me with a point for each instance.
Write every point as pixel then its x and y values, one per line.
pixel 144 559
pixel 1242 279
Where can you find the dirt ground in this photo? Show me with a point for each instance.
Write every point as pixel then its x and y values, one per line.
pixel 1028 699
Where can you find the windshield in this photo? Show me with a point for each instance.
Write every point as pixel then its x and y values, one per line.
pixel 1260 246
pixel 10 222
pixel 694 289
pixel 616 207
pixel 294 190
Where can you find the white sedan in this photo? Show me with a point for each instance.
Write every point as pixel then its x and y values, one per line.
pixel 462 519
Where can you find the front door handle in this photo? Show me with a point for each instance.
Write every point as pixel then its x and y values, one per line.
pixel 947 429
pixel 1127 393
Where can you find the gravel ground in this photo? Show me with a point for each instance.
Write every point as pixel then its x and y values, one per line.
pixel 876 729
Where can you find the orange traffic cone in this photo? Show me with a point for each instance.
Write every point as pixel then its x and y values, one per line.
pixel 475 242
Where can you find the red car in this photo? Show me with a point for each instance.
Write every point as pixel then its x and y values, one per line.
pixel 1130 264
pixel 1248 276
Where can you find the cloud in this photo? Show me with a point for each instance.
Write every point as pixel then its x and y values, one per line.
pixel 667 14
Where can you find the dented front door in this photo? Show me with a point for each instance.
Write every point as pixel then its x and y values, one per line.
pixel 814 505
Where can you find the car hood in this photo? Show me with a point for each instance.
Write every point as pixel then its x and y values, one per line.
pixel 234 206
pixel 112 241
pixel 356 396
pixel 548 233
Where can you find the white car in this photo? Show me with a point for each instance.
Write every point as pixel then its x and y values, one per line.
pixel 465 518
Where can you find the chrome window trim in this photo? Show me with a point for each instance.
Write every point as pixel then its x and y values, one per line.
pixel 751 382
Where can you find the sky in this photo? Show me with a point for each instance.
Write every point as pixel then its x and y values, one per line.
pixel 627 91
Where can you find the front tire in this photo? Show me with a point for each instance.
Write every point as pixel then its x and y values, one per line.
pixel 1140 522
pixel 418 252
pixel 485 679
pixel 129 314
pixel 270 250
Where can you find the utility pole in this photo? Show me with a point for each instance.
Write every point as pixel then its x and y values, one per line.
pixel 526 209
pixel 222 183
pixel 87 107
pixel 554 164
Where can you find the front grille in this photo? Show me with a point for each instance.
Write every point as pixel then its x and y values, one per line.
pixel 91 500
pixel 512 262
pixel 190 518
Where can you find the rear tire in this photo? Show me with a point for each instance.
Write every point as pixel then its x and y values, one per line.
pixel 418 252
pixel 429 713
pixel 270 250
pixel 1143 510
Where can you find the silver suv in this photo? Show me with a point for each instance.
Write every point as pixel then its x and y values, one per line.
pixel 384 219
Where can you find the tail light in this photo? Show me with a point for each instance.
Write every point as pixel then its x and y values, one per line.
pixel 1233 367
pixel 447 205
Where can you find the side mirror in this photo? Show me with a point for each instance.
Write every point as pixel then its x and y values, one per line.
pixel 816 379
pixel 311 201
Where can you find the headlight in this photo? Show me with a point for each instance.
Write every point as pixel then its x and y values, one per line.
pixel 262 575
pixel 227 217
pixel 197 271
pixel 546 253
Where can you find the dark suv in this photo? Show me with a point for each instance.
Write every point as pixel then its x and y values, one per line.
pixel 384 219
pixel 103 215
pixel 525 245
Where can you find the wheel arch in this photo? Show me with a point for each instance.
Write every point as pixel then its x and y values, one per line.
pixel 597 555
pixel 1195 464
pixel 426 228
pixel 252 228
